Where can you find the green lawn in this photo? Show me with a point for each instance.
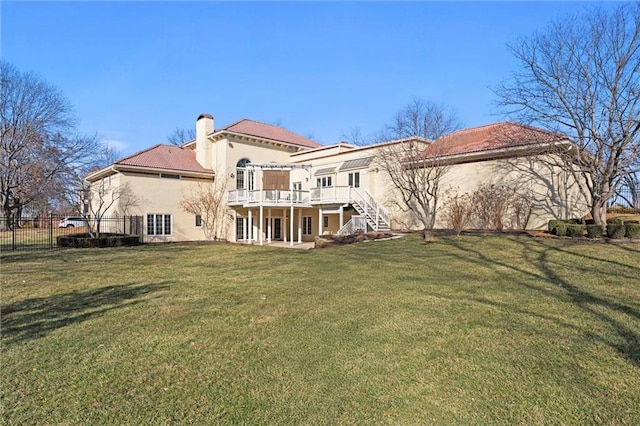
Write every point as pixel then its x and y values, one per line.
pixel 475 330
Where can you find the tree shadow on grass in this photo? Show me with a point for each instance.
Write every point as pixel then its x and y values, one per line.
pixel 537 253
pixel 36 317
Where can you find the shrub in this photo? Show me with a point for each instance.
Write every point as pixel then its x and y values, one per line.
pixel 457 212
pixel 575 230
pixel 521 206
pixel 104 240
pixel 561 229
pixel 594 231
pixel 615 220
pixel 552 225
pixel 490 204
pixel 626 222
pixel 632 230
pixel 615 230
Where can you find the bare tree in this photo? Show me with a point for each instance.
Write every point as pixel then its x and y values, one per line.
pixel 355 137
pixel 180 136
pixel 424 119
pixel 94 200
pixel 581 77
pixel 37 140
pixel 414 178
pixel 207 200
pixel 99 198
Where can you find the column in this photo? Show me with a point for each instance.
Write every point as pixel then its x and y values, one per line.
pixel 250 225
pixel 269 226
pixel 235 226
pixel 299 226
pixel 244 228
pixel 320 221
pixel 284 225
pixel 260 224
pixel 291 226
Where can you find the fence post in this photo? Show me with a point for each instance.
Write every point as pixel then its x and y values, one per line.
pixel 13 232
pixel 50 230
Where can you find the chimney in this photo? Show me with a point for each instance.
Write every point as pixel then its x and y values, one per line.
pixel 204 126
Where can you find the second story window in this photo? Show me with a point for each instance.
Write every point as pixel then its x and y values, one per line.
pixel 324 182
pixel 354 179
pixel 242 180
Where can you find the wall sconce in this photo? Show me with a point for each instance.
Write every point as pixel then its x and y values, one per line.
pixel 232 176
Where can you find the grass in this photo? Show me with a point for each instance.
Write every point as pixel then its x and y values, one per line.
pixel 29 237
pixel 471 330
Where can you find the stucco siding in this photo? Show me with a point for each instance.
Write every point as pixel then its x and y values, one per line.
pixel 155 195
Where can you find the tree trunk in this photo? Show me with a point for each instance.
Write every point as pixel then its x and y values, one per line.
pixel 599 213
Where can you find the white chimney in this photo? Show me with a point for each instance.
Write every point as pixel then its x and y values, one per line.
pixel 204 126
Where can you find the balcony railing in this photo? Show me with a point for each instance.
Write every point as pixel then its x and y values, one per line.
pixel 374 212
pixel 268 197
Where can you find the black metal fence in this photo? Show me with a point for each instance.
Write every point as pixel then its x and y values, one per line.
pixel 43 232
pixel 625 201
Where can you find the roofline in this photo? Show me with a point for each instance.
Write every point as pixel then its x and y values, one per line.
pixel 99 174
pixel 502 153
pixel 325 147
pixel 364 148
pixel 116 168
pixel 215 134
pixel 557 136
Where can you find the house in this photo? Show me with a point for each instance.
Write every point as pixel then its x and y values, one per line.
pixel 529 160
pixel 280 186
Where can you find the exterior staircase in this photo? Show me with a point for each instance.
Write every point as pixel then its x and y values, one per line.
pixel 370 211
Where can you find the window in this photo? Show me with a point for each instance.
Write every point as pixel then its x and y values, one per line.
pixel 354 179
pixel 325 221
pixel 324 182
pixel 240 174
pixel 239 228
pixel 198 220
pixel 158 224
pixel 297 191
pixel 306 225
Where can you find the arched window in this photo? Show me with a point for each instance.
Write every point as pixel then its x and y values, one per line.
pixel 244 178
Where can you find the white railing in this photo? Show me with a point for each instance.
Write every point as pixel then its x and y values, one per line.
pixel 374 213
pixel 356 223
pixel 365 203
pixel 381 212
pixel 267 196
pixel 331 194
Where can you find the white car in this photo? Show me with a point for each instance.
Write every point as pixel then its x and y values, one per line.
pixel 71 222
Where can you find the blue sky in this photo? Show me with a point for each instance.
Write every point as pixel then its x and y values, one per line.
pixel 135 71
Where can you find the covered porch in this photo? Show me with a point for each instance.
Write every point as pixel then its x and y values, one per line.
pixel 292 224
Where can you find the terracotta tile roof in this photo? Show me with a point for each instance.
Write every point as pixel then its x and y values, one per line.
pixel 169 157
pixel 269 131
pixel 489 138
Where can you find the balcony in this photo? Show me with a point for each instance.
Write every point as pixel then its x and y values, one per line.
pixel 267 197
pixel 376 215
pixel 277 197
